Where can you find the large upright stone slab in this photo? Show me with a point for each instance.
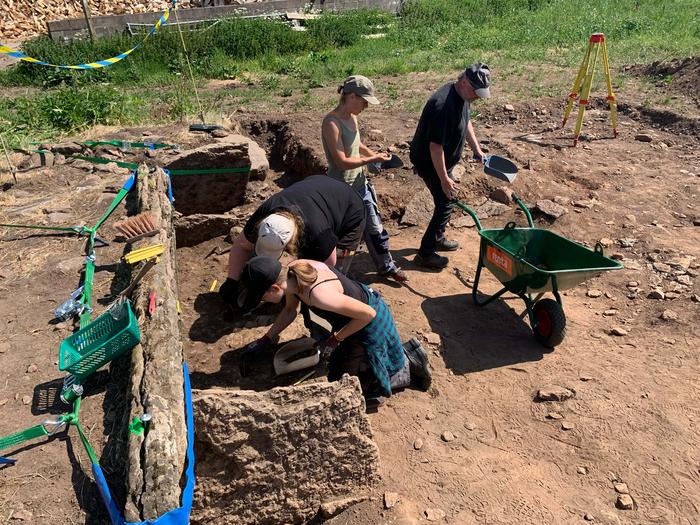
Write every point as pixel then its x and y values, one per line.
pixel 157 457
pixel 275 456
pixel 210 193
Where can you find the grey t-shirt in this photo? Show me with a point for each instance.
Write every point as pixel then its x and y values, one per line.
pixel 443 121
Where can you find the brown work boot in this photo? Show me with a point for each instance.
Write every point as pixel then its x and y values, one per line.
pixel 397 275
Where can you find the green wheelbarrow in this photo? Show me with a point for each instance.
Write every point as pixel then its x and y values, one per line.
pixel 530 262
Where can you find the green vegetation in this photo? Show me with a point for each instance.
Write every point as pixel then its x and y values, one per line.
pixel 428 35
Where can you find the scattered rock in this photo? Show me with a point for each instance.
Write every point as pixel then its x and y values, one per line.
pixel 554 393
pixel 669 315
pixel 3 402
pixel 585 378
pixel 419 209
pixel 633 284
pixel 447 436
pixel 549 208
pixel 565 425
pixel 627 242
pixel 618 331
pixel 71 265
pixel 469 426
pixel 219 133
pixel 594 293
pixel 390 499
pixel 509 108
pixel 491 209
pixel 583 204
pixel 434 514
pixel 22 515
pixel 588 517
pixel 503 195
pixel 624 502
pixel 621 488
pixel 685 280
pixel 643 137
pixel 695 298
pixel 328 509
pixel 59 218
pixel 26 400
pixel 554 415
pixel 432 338
pixel 458 172
pixel 67 148
pixel 582 470
pixel 562 201
pixel 606 242
pixel 463 221
pixel 4 347
pixel 609 313
pixel 32 368
pixel 657 294
pixel 430 416
pixel 661 267
pixel 418 444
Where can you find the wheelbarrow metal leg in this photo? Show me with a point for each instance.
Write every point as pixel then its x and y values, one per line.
pixel 475 289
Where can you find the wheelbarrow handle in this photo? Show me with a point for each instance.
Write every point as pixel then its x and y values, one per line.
pixel 522 206
pixel 471 212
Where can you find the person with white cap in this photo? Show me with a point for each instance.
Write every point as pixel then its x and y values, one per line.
pixel 437 145
pixel 347 157
pixel 310 219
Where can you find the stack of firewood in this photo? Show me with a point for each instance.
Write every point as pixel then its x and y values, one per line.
pixel 24 18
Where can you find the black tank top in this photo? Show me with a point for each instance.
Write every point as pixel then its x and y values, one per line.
pixel 350 288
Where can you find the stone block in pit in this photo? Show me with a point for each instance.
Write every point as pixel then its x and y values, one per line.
pixel 275 456
pixel 210 193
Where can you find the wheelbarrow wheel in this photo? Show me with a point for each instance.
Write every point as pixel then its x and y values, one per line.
pixel 550 322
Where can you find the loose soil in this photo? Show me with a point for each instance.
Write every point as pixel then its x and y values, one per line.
pixel 634 417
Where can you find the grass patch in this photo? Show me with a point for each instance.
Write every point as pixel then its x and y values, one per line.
pixel 428 35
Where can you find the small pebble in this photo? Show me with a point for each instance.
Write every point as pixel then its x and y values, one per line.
pixel 621 488
pixel 418 444
pixel 26 400
pixel 625 502
pixel 594 293
pixel 567 426
pixel 588 517
pixel 582 470
pixel 554 415
pixel 618 331
pixel 447 436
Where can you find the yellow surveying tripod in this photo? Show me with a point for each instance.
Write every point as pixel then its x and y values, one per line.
pixel 582 84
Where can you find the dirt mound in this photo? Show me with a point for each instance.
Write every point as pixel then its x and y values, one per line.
pixel 681 76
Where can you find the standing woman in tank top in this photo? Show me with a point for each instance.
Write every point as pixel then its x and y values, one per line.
pixel 364 341
pixel 347 156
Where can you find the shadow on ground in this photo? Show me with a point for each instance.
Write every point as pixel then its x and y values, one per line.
pixel 476 338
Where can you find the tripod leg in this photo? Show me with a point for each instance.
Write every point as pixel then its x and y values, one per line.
pixel 585 93
pixel 575 90
pixel 611 95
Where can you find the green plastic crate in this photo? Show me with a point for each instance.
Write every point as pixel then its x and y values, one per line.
pixel 106 338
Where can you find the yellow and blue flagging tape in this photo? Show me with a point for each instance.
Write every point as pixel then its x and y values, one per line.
pixel 90 65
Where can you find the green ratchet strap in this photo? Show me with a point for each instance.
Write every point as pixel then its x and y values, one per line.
pixel 74 229
pixel 211 171
pixel 126 144
pixel 22 436
pixel 101 160
pixel 133 166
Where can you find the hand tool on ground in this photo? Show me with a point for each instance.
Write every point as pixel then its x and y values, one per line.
pixel 583 81
pixel 393 163
pixel 296 355
pixel 137 227
pixel 71 307
pixel 142 254
pixel 150 263
pixel 530 262
pixel 501 168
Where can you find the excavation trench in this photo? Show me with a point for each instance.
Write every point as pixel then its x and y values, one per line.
pixel 263 454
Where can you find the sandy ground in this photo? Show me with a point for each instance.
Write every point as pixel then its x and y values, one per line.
pixel 634 416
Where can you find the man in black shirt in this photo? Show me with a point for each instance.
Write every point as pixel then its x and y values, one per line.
pixel 310 219
pixel 436 148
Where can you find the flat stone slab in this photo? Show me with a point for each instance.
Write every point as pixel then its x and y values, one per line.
pixel 276 456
